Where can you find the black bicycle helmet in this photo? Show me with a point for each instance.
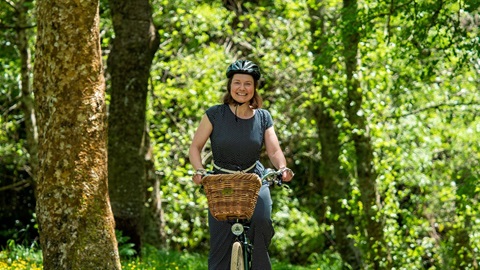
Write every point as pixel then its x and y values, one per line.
pixel 244 67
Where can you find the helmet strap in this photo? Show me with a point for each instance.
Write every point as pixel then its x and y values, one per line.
pixel 237 104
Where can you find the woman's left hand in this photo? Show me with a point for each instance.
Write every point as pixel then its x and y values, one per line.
pixel 287 174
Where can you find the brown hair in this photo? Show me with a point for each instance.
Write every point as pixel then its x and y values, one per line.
pixel 256 102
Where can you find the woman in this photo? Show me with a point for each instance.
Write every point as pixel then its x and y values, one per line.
pixel 238 129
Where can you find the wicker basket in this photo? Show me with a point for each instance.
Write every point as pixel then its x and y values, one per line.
pixel 232 196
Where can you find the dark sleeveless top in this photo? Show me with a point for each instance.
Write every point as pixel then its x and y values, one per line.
pixel 237 143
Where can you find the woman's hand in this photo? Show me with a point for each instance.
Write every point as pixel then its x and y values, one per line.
pixel 287 174
pixel 197 179
pixel 198 175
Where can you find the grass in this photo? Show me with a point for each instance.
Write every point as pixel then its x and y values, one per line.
pixel 20 257
pixel 17 257
pixel 153 259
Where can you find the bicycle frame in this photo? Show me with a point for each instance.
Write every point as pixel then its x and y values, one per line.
pixel 240 226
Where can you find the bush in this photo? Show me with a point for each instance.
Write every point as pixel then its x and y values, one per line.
pixel 18 257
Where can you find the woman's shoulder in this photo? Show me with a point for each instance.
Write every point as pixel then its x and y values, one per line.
pixel 216 111
pixel 216 108
pixel 264 112
pixel 265 118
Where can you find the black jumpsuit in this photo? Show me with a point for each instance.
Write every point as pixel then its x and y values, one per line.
pixel 236 145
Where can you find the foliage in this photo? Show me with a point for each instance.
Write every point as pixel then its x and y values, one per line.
pixel 401 98
pixel 296 232
pixel 419 124
pixel 125 248
pixel 14 158
pixel 17 257
pixel 20 257
pixel 184 86
pixel 419 74
pixel 162 259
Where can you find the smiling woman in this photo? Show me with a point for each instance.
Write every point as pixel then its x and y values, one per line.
pixel 238 129
pixel 242 88
pixel 243 75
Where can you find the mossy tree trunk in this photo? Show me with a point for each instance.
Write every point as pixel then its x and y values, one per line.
pixel 136 41
pixel 75 221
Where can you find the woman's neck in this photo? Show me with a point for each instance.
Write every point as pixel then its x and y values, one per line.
pixel 242 111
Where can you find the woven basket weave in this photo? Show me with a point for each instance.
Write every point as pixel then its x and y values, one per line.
pixel 232 196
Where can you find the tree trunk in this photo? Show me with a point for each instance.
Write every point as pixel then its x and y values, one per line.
pixel 27 93
pixel 335 186
pixel 365 171
pixel 133 49
pixel 75 221
pixel 155 218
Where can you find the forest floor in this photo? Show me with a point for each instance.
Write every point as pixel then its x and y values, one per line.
pixel 22 258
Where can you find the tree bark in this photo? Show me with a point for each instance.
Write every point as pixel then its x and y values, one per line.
pixel 335 186
pixel 75 221
pixel 155 219
pixel 365 171
pixel 136 41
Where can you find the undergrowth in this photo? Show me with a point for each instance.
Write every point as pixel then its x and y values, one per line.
pixel 18 257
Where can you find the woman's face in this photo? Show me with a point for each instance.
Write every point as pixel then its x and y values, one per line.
pixel 242 88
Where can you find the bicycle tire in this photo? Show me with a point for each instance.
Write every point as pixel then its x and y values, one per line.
pixel 237 257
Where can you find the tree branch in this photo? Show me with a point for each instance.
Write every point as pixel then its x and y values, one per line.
pixel 17 185
pixel 432 107
pixel 10 3
pixel 16 27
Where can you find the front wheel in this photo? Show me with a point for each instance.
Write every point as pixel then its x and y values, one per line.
pixel 237 257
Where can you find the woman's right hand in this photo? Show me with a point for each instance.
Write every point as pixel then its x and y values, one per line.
pixel 197 179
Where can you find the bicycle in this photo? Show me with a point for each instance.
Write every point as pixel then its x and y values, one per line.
pixel 232 198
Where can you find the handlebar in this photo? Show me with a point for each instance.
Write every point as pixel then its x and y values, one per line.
pixel 270 176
